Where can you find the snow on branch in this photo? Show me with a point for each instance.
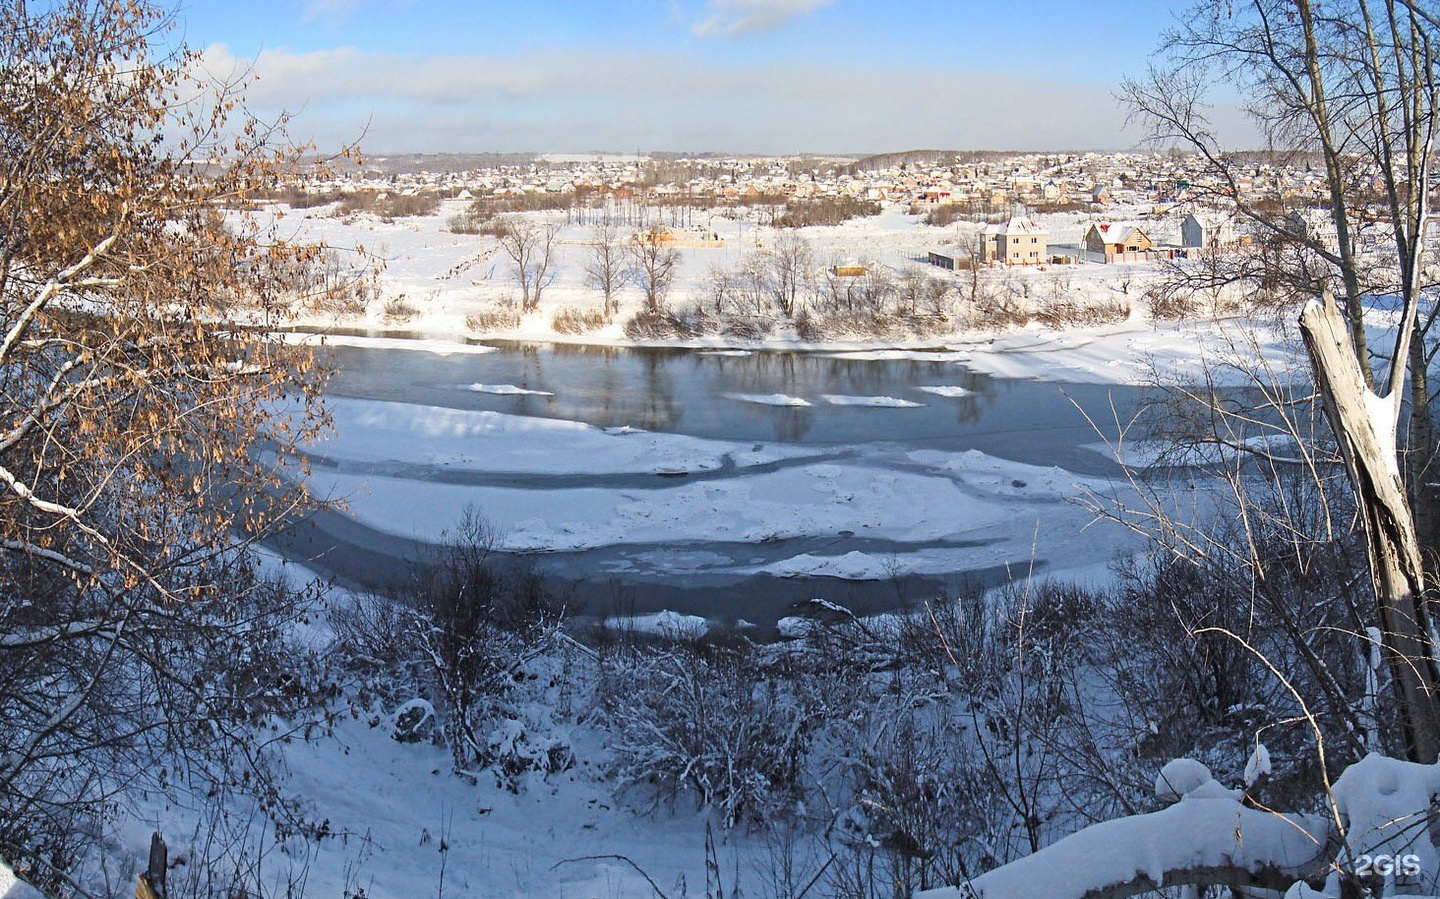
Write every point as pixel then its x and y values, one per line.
pixel 1391 814
pixel 1195 841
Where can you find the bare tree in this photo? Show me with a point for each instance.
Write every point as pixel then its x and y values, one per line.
pixel 654 262
pixel 605 269
pixel 921 293
pixel 529 245
pixel 789 264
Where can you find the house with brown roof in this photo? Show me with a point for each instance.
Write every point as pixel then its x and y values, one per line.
pixel 1117 238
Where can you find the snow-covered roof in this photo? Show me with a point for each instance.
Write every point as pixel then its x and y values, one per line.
pixel 1116 232
pixel 1021 224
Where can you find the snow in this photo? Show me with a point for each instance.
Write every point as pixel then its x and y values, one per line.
pixel 1194 833
pixel 809 499
pixel 394 805
pixel 946 390
pixel 899 356
pixel 507 390
pixel 1258 767
pixel 886 402
pixel 372 431
pixel 667 624
pixel 1180 776
pixel 12 887
pixel 769 399
pixel 853 565
pixel 438 346
pixel 548 484
pixel 1386 801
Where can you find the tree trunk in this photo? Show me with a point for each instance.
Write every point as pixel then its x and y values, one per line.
pixel 1364 427
pixel 1421 455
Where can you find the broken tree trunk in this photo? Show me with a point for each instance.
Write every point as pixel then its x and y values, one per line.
pixel 1365 430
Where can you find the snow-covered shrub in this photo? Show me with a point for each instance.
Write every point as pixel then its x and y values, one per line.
pixel 413 721
pixel 916 804
pixel 1081 311
pixel 190 706
pixel 477 626
pixel 709 722
pixel 1189 648
pixel 804 213
pixel 387 205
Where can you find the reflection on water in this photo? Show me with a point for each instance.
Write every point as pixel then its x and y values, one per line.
pixel 690 392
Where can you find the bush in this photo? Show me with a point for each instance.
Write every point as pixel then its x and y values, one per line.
pixel 648 325
pixel 825 211
pixel 387 205
pixel 711 723
pixel 943 216
pixel 478 218
pixel 480 624
pixel 399 310
pixel 569 320
pixel 1083 314
pixel 502 317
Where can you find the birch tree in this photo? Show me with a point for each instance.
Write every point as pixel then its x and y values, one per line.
pixel 1354 82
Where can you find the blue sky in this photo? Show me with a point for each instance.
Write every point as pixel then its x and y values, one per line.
pixel 765 76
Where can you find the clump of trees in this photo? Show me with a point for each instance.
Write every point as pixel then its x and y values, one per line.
pixel 805 213
pixel 389 205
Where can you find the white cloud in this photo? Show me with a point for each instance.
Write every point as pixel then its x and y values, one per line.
pixel 564 101
pixel 735 18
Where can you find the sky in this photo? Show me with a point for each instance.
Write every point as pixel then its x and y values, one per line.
pixel 738 76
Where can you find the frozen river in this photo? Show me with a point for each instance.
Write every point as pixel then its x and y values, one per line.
pixel 721 483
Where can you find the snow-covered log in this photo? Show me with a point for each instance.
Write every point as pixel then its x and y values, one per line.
pixel 1391 814
pixel 1196 840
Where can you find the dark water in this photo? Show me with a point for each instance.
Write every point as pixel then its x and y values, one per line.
pixel 693 392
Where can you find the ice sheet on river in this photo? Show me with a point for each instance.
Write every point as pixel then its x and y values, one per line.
pixel 484 441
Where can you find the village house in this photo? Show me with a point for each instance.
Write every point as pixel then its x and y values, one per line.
pixel 1315 225
pixel 1212 230
pixel 1019 241
pixel 1111 239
